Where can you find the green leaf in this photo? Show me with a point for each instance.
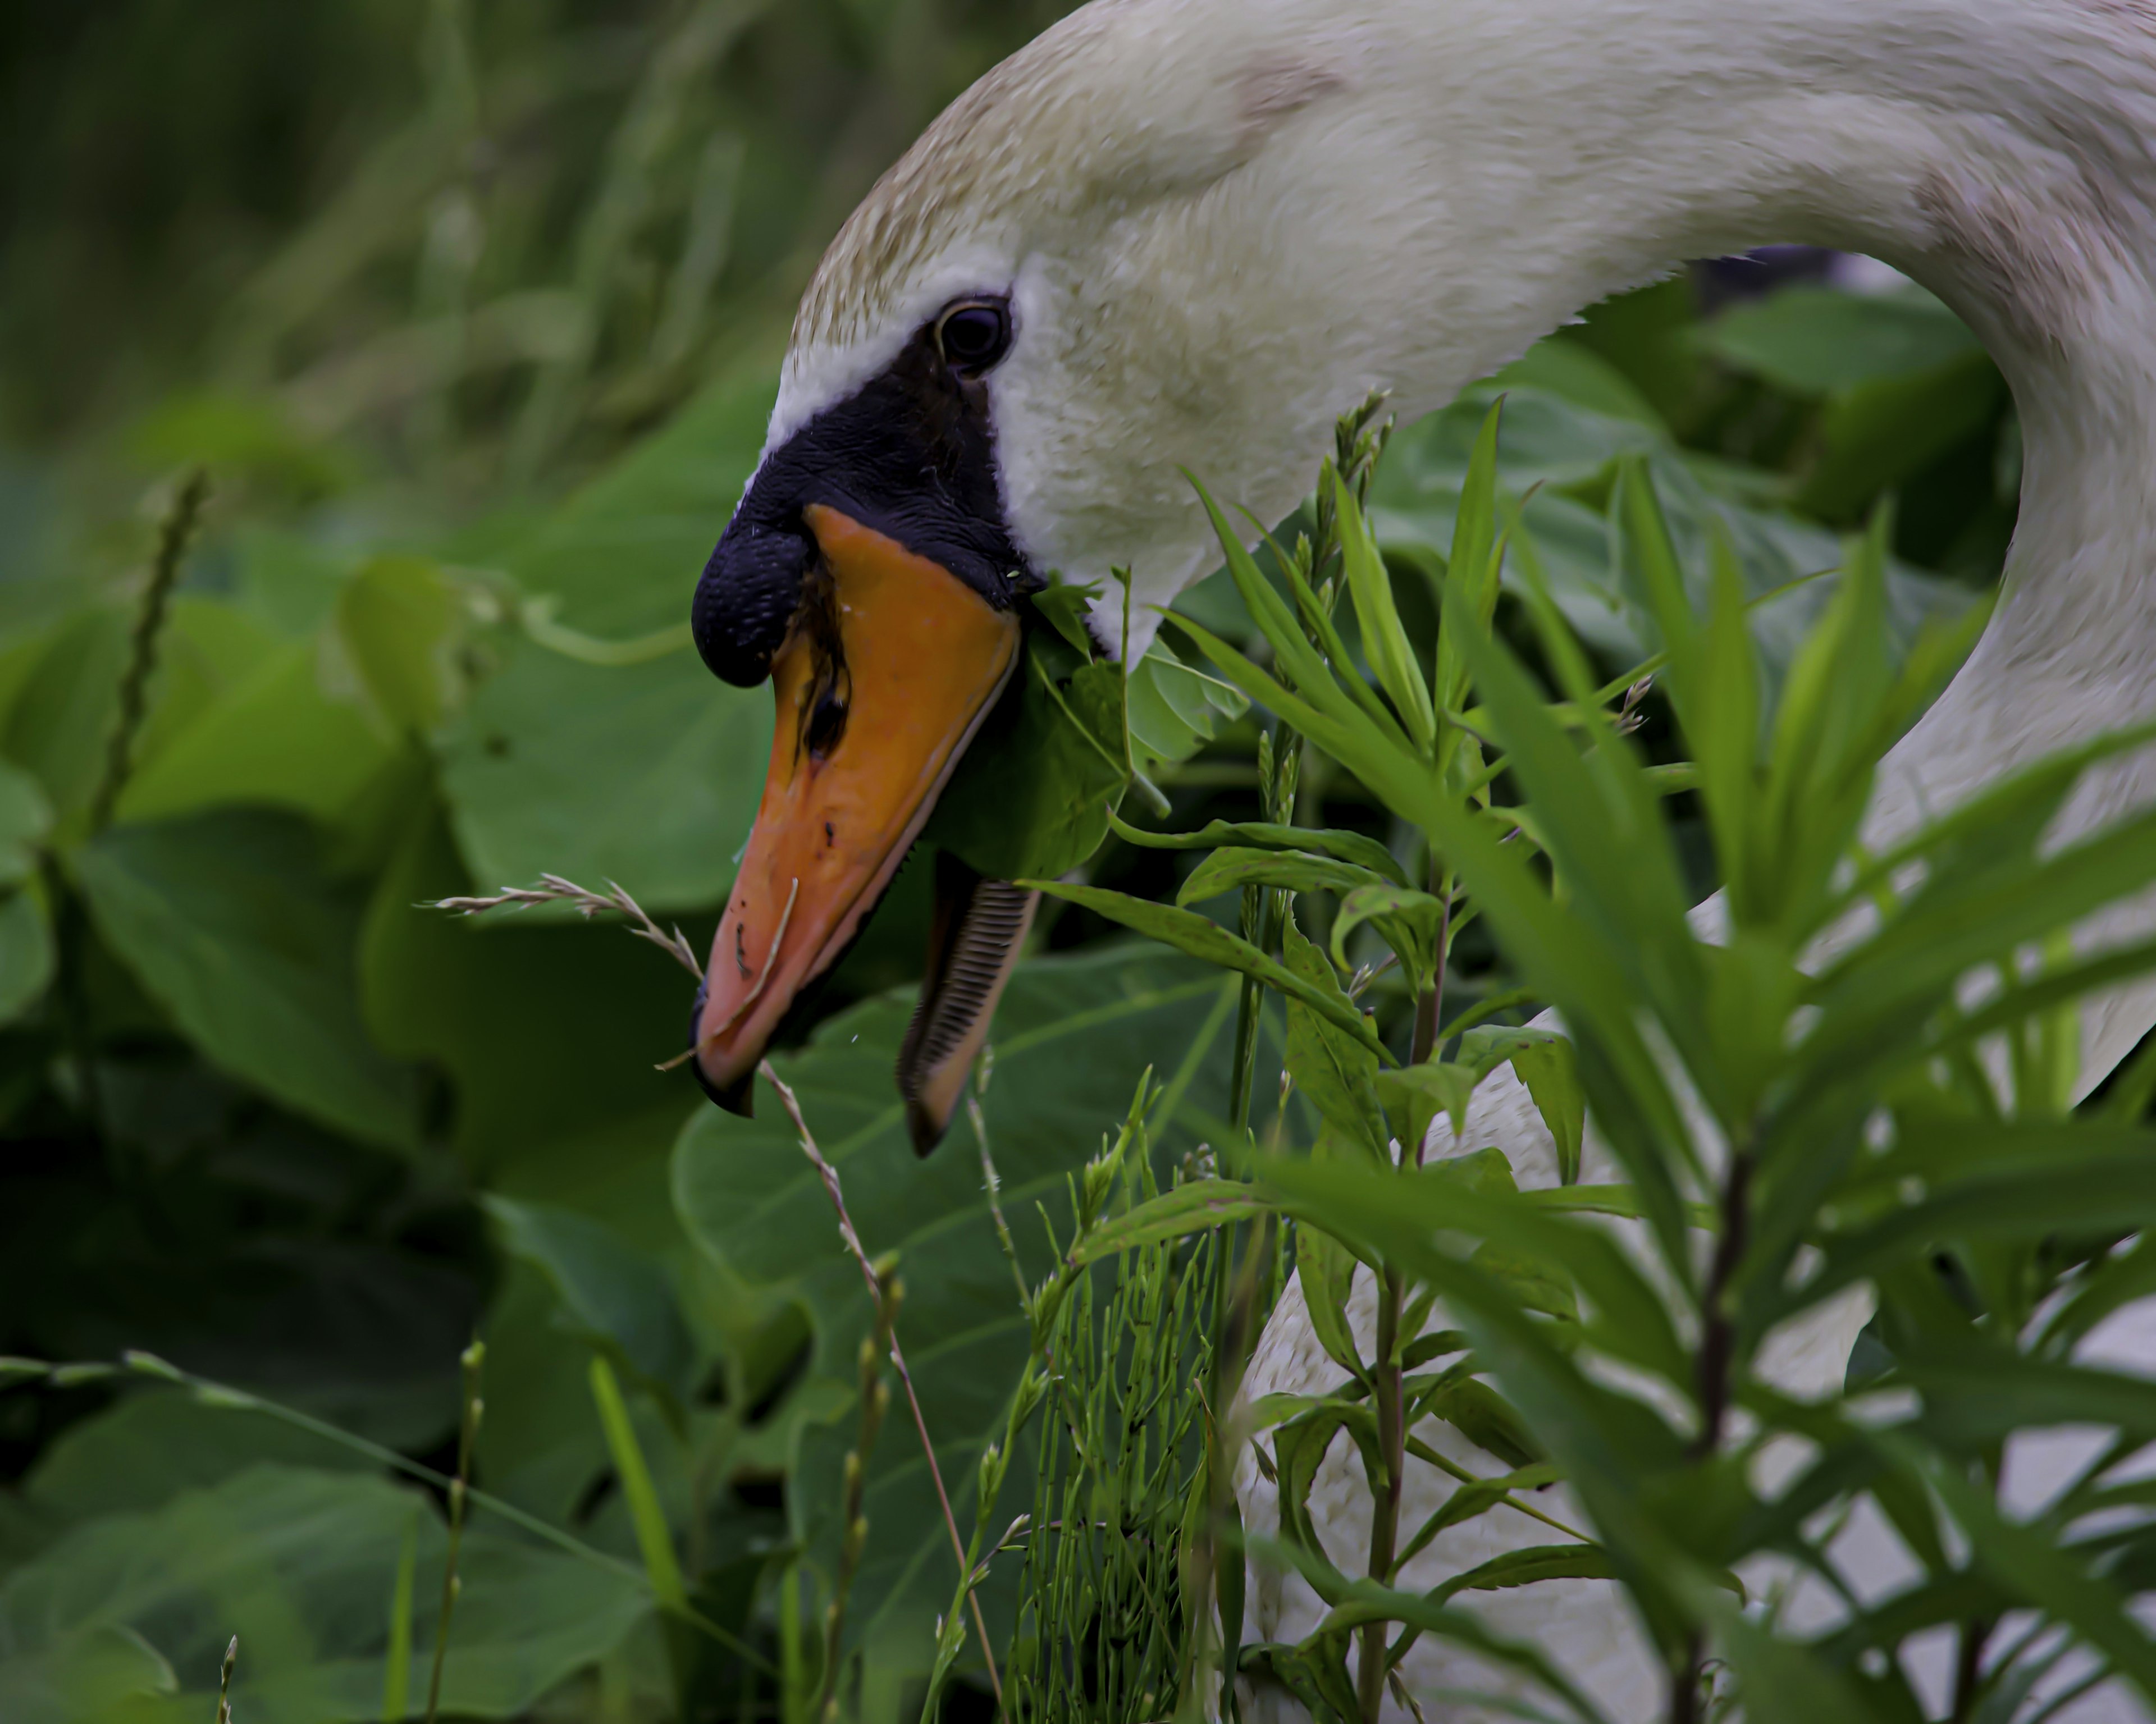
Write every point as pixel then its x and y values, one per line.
pixel 1332 1069
pixel 1480 1414
pixel 1175 710
pixel 1326 1269
pixel 1032 794
pixel 275 738
pixel 1812 341
pixel 1065 608
pixel 1411 923
pixel 25 818
pixel 615 1296
pixel 654 1540
pixel 648 775
pixel 1353 848
pixel 1366 1601
pixel 2094 1194
pixel 156 1443
pixel 1193 1207
pixel 2025 1559
pixel 1525 1566
pixel 227 920
pixel 1296 871
pixel 1069 1031
pixel 1546 1063
pixel 1414 1095
pixel 1384 639
pixel 398 630
pixel 1204 938
pixel 26 952
pixel 548 1031
pixel 299 1564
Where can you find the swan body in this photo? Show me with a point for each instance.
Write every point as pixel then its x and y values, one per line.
pixel 1212 226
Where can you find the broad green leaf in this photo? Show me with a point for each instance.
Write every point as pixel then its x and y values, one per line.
pixel 648 775
pixel 275 738
pixel 616 1296
pixel 26 952
pixel 1815 339
pixel 1202 938
pixel 549 1032
pixel 25 818
pixel 1551 1073
pixel 1883 433
pixel 229 922
pixel 397 631
pixel 1480 1414
pixel 153 1445
pixel 93 1672
pixel 1032 795
pixel 300 1564
pixel 623 552
pixel 1175 710
pixel 1069 1031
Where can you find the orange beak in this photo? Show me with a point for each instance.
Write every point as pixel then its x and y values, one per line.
pixel 891 666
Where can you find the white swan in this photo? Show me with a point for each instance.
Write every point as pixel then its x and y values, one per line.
pixel 1189 234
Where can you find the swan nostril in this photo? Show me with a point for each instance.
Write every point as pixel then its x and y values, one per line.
pixel 827 724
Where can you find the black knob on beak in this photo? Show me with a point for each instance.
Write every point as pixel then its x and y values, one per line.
pixel 745 601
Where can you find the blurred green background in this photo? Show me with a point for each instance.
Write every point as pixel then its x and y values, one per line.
pixel 471 312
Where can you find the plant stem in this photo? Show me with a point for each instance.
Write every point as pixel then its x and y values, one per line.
pixel 1429 1001
pixel 225 1682
pixel 474 1356
pixel 1968 1669
pixel 1386 1491
pixel 1717 1347
pixel 875 1400
pixel 1718 1334
pixel 175 533
pixel 1684 1692
pixel 830 1175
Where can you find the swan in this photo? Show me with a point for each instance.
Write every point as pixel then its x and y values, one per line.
pixel 1188 234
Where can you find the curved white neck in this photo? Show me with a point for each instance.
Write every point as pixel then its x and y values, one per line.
pixel 1498 164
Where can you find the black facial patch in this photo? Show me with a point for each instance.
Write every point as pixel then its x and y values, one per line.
pixel 910 456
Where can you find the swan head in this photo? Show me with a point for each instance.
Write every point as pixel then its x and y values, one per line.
pixel 1070 292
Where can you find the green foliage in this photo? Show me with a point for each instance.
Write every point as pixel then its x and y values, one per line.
pixel 1849 1128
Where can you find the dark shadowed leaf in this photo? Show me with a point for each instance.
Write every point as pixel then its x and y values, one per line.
pixel 229 922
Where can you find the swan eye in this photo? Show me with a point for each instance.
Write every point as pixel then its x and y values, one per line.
pixel 973 335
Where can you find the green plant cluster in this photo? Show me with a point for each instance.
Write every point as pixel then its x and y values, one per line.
pixel 349 505
pixel 1870 1121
